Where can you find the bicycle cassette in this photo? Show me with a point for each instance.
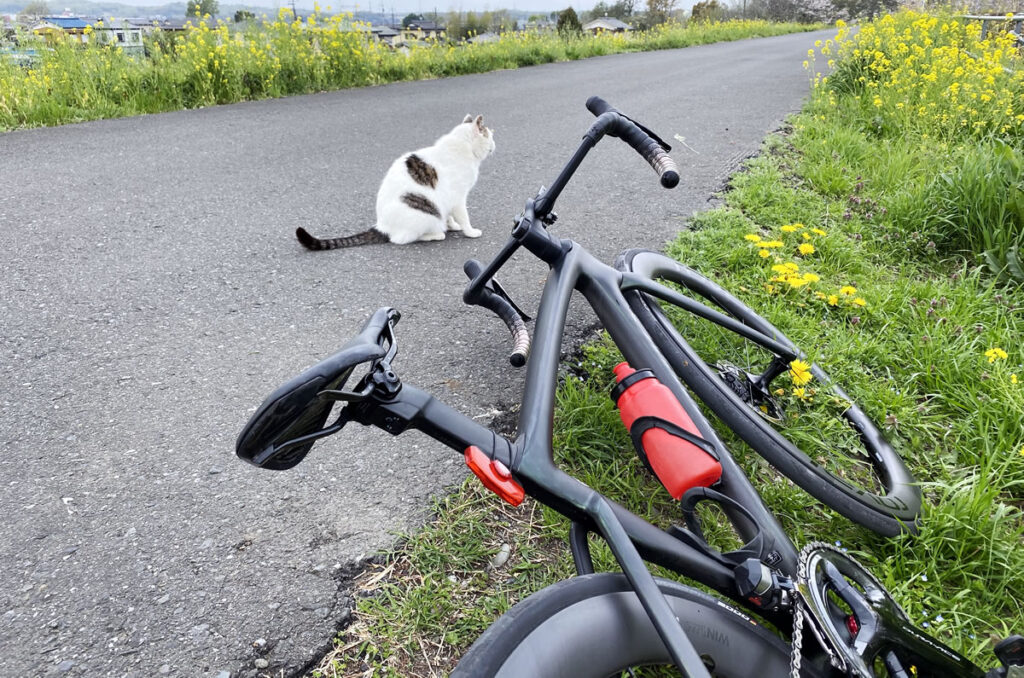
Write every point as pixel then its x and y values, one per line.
pixel 859 623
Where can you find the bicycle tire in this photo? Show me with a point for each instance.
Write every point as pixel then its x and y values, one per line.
pixel 594 626
pixel 889 509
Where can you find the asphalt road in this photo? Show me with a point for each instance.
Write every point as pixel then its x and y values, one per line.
pixel 153 294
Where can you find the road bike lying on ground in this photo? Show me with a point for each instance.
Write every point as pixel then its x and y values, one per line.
pixel 833 617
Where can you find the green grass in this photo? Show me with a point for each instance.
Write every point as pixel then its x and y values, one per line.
pixel 219 63
pixel 903 309
pixel 915 358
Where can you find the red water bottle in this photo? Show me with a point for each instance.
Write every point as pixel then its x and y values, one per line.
pixel 665 437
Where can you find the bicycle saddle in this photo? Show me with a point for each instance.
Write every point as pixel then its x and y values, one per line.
pixel 285 427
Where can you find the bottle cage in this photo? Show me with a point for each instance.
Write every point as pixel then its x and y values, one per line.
pixel 285 427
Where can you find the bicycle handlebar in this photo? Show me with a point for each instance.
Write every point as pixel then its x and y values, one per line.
pixel 644 141
pixel 483 290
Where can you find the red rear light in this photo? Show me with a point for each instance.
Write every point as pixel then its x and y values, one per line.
pixel 494 475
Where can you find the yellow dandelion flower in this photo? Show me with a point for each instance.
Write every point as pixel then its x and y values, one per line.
pixel 859 301
pixel 800 372
pixel 811 278
pixel 771 243
pixel 752 237
pixel 795 280
pixel 994 354
pixel 784 269
pixel 833 300
pixel 800 393
pixel 788 228
pixel 1013 378
pixel 764 254
pixel 806 248
pixel 818 231
pixel 807 236
pixel 848 290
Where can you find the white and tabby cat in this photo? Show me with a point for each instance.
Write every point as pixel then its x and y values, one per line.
pixel 424 192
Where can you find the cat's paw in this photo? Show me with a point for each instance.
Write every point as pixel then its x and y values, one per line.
pixel 471 232
pixel 432 235
pixel 454 225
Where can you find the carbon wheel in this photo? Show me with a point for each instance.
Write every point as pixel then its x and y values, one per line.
pixel 595 627
pixel 793 415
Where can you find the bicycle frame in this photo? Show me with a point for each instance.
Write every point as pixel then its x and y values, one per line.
pixel 530 457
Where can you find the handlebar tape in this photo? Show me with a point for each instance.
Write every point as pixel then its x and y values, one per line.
pixel 643 141
pixel 504 310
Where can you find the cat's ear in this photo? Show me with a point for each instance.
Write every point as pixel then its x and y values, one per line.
pixel 479 122
pixel 468 118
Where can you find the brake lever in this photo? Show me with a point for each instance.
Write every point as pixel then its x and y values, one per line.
pixel 500 291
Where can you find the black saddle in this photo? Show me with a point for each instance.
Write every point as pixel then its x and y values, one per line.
pixel 285 427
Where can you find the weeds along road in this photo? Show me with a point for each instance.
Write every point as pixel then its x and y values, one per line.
pixel 153 294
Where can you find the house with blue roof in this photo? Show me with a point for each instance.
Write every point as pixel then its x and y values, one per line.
pixel 117 32
pixel 56 27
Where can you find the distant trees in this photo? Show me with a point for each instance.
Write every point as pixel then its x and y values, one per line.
pixel 202 8
pixel 659 11
pixel 411 18
pixel 811 10
pixel 708 10
pixel 568 23
pixel 464 25
pixel 866 8
pixel 621 9
pixel 243 15
pixel 36 8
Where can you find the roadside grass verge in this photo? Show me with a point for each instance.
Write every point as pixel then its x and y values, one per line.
pixel 216 63
pixel 829 235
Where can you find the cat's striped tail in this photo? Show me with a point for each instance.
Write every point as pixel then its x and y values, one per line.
pixel 370 237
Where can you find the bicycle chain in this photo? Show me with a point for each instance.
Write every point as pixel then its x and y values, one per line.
pixel 798 636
